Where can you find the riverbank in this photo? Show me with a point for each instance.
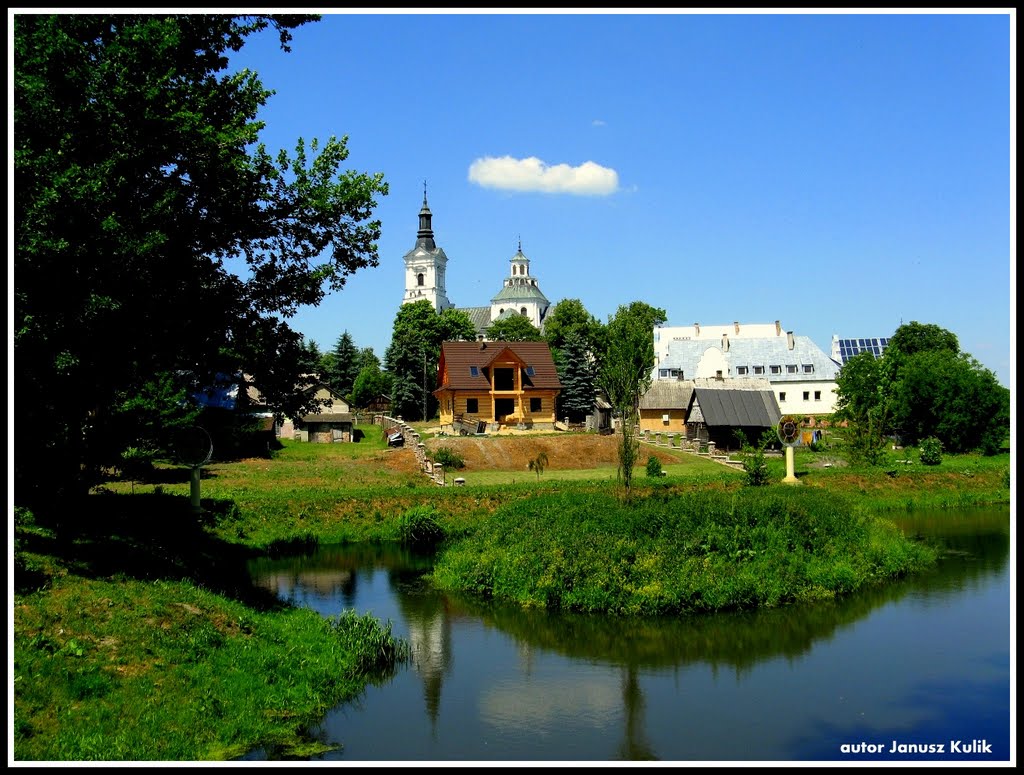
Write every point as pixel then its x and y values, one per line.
pixel 129 609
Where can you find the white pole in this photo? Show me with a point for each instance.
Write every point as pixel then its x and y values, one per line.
pixel 790 467
pixel 194 489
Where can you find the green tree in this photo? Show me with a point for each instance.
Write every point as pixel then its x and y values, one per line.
pixel 153 233
pixel 310 359
pixel 626 374
pixel 570 322
pixel 569 317
pixel 861 404
pixel 514 328
pixel 578 375
pixel 953 398
pixel 346 365
pixel 370 383
pixel 367 357
pixel 415 348
pixel 908 340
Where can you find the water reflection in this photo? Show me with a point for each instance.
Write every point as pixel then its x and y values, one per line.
pixel 533 685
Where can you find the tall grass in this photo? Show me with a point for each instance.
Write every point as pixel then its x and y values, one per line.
pixel 671 552
pixel 137 671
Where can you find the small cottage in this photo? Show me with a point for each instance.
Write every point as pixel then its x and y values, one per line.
pixel 497 384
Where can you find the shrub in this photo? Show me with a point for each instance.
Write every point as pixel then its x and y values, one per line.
pixel 137 462
pixel 755 465
pixel 931 451
pixel 539 463
pixel 448 457
pixel 419 525
pixel 653 466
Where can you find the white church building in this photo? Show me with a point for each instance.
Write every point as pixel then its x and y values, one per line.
pixel 425 267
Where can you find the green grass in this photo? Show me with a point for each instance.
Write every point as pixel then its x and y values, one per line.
pixel 137 638
pixel 133 670
pixel 672 552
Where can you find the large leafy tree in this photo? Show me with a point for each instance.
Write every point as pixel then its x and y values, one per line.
pixel 411 358
pixel 951 397
pixel 514 328
pixel 910 339
pixel 922 387
pixel 569 317
pixel 370 383
pixel 154 234
pixel 626 374
pixel 860 403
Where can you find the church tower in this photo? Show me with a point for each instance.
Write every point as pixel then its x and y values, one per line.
pixel 520 294
pixel 425 265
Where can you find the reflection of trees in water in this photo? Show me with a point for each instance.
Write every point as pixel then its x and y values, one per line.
pixel 976 545
pixel 635 745
pixel 739 640
pixel 333 570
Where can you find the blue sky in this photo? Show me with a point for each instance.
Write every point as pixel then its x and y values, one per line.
pixel 839 172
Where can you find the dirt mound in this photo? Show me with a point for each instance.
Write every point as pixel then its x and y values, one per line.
pixel 514 453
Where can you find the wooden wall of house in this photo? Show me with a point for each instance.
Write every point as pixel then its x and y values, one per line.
pixel 458 404
pixel 651 420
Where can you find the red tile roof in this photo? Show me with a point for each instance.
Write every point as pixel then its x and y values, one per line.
pixel 458 357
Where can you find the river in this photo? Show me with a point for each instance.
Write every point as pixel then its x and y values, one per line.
pixel 889 674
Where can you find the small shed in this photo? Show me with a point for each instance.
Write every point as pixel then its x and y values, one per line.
pixel 327 428
pixel 716 413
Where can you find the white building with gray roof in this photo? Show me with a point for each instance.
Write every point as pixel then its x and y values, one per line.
pixel 801 375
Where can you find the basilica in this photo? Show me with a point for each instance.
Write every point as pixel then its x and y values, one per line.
pixel 425 267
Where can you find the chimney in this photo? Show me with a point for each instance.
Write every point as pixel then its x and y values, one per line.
pixel 725 343
pixel 778 329
pixel 736 323
pixel 697 328
pixel 789 339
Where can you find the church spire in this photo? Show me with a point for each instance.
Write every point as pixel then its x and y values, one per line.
pixel 425 236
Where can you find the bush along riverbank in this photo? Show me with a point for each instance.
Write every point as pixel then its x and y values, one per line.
pixel 698 551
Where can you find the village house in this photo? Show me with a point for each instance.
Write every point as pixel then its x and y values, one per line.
pixel 497 385
pixel 334 422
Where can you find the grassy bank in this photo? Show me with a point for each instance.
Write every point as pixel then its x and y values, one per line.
pixel 140 643
pixel 137 636
pixel 700 551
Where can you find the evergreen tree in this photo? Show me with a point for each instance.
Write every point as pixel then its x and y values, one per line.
pixel 346 365
pixel 309 358
pixel 578 377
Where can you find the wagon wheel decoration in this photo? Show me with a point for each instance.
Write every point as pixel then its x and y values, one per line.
pixel 789 430
pixel 193 446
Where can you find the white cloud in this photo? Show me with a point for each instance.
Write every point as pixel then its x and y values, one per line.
pixel 597 122
pixel 532 174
